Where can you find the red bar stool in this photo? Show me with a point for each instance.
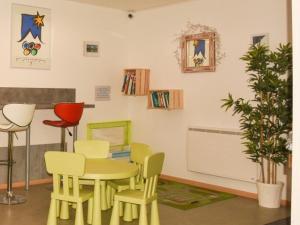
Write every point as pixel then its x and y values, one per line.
pixel 70 114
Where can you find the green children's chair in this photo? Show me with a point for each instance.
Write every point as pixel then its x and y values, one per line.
pixel 152 168
pixel 138 153
pixel 94 149
pixel 65 166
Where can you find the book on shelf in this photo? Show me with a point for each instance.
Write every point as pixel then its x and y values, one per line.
pixel 166 97
pixel 129 83
pixel 159 99
pixel 155 99
pixel 124 83
pixel 133 84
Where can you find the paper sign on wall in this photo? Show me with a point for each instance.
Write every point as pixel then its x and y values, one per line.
pixel 102 93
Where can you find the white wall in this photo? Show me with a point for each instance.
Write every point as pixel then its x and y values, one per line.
pixel 152 45
pixel 72 24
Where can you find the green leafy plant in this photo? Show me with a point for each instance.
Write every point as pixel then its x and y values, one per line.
pixel 266 119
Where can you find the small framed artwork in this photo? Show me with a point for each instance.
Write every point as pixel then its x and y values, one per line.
pixel 262 39
pixel 198 53
pixel 91 48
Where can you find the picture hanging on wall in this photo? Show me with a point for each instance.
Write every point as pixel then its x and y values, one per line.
pixel 193 30
pixel 198 52
pixel 91 48
pixel 30 38
pixel 262 39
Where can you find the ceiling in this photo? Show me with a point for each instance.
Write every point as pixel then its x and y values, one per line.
pixel 130 5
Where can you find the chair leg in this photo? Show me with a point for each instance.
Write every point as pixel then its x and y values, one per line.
pixel 90 211
pixel 134 209
pixel 127 212
pixel 57 208
pixel 79 214
pixel 64 211
pixel 154 213
pixel 121 209
pixel 115 220
pixel 103 195
pixel 52 213
pixel 108 196
pixel 113 192
pixel 143 215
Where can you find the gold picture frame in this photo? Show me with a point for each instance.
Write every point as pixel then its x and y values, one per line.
pixel 198 53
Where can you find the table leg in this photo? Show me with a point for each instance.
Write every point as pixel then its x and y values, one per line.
pixel 130 211
pixel 97 207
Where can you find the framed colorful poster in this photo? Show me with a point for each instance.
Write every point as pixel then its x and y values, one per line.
pixel 198 52
pixel 30 38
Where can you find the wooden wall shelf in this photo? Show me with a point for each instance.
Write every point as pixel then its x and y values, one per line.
pixel 136 82
pixel 165 99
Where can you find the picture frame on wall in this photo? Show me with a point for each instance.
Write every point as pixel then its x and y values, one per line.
pixel 198 53
pixel 30 37
pixel 91 48
pixel 262 39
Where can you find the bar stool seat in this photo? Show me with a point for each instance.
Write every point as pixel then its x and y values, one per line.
pixel 17 117
pixel 69 114
pixel 59 123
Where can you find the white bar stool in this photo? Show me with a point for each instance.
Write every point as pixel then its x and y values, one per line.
pixel 18 118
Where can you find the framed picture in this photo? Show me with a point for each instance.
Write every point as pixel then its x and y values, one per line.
pixel 91 48
pixel 198 53
pixel 30 38
pixel 262 39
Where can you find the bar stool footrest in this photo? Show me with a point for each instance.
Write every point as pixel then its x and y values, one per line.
pixel 11 199
pixel 6 162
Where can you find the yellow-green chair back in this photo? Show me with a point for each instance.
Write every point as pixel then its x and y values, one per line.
pixel 92 148
pixel 138 153
pixel 62 163
pixel 153 167
pixel 67 166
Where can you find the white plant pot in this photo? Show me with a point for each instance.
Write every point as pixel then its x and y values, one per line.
pixel 269 195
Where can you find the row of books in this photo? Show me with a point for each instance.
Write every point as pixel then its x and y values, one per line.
pixel 129 83
pixel 160 99
pixel 125 154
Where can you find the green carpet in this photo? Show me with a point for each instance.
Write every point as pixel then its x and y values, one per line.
pixel 183 196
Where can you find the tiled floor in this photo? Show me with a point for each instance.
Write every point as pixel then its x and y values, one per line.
pixel 236 211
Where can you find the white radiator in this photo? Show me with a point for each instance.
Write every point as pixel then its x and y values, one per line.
pixel 219 152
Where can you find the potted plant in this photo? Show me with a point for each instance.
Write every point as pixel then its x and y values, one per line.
pixel 265 120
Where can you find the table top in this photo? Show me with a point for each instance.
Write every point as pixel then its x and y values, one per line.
pixel 108 169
